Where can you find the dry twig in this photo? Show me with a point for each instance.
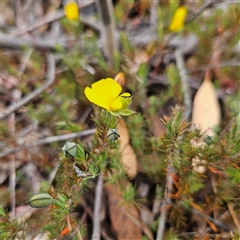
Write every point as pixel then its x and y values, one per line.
pixel 7 41
pixel 217 223
pixel 207 4
pixel 108 31
pixel 97 208
pixel 12 172
pixel 49 140
pixel 49 18
pixel 185 84
pixel 234 215
pixel 166 202
pixel 49 80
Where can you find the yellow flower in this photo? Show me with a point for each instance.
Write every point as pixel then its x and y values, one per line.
pixel 105 93
pixel 71 10
pixel 178 20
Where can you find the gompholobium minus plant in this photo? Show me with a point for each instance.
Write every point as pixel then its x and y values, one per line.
pixel 176 128
pixel 79 165
pixel 189 192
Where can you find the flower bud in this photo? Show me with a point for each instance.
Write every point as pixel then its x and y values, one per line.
pixel 71 10
pixel 40 200
pixel 208 140
pixel 113 134
pixel 70 149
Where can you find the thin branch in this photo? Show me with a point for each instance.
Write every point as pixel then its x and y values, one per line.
pixel 154 16
pixel 217 223
pixel 225 3
pixel 195 235
pixel 53 173
pixel 138 222
pixel 7 41
pixel 185 84
pixel 49 80
pixel 108 31
pixel 79 233
pixel 97 209
pixel 48 140
pixel 166 202
pixel 12 172
pixel 231 63
pixel 234 215
pixel 43 21
pixel 56 16
pixel 207 4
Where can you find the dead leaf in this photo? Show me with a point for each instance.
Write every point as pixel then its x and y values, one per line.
pixel 206 115
pixel 158 128
pixel 122 223
pixel 206 108
pixel 235 216
pixel 129 158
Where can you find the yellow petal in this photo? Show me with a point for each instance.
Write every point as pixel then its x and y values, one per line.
pixel 178 20
pixel 125 95
pixel 71 10
pixel 120 104
pixel 96 99
pixel 107 88
pixel 117 105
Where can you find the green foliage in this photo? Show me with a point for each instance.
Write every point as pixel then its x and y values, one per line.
pixel 117 61
pixel 129 196
pixel 145 146
pixel 233 103
pixel 61 106
pixel 222 155
pixel 127 47
pixel 234 175
pixel 45 187
pixel 195 183
pixel 4 131
pixel 154 105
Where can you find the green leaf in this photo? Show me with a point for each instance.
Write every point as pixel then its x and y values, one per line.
pixel 126 112
pixel 2 212
pixel 234 174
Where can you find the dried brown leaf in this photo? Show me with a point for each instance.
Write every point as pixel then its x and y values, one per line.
pixel 122 223
pixel 206 108
pixel 129 158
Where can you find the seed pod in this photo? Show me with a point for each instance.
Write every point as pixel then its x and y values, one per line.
pixel 70 148
pixel 40 200
pixel 113 134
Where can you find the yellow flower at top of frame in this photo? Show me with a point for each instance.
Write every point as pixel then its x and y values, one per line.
pixel 105 93
pixel 71 10
pixel 178 20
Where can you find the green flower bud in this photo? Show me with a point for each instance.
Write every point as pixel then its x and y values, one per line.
pixel 70 149
pixel 40 200
pixel 208 140
pixel 113 134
